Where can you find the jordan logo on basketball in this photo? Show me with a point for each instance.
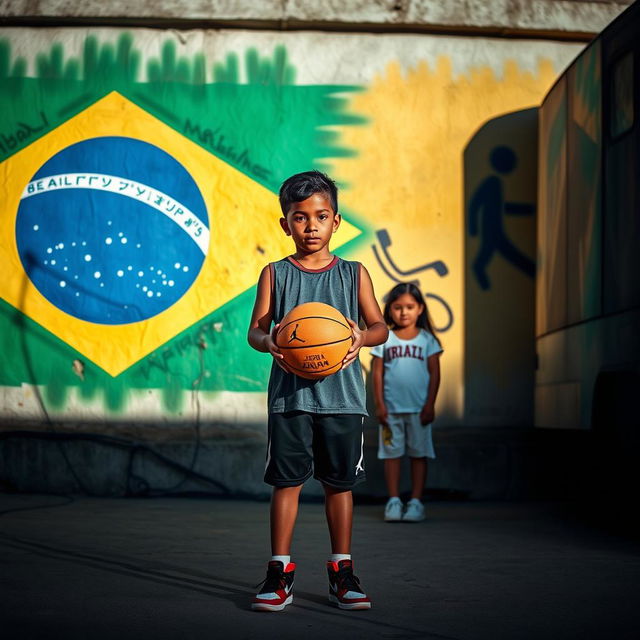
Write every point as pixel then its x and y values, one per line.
pixel 293 336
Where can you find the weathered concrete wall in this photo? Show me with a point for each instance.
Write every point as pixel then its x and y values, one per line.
pixel 507 16
pixel 234 112
pixel 92 331
pixel 488 464
pixel 500 248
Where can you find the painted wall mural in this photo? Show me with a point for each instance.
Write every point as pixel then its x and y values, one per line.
pixel 500 178
pixel 138 173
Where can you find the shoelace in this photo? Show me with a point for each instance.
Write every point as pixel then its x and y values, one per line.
pixel 275 580
pixel 347 580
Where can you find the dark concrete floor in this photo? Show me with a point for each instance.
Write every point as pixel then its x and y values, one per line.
pixel 185 568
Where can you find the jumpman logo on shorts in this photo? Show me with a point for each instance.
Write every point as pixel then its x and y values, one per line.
pixel 360 463
pixel 293 336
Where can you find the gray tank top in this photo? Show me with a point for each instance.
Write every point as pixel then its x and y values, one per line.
pixel 336 284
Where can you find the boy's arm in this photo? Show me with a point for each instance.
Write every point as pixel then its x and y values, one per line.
pixel 377 368
pixel 260 338
pixel 376 331
pixel 428 413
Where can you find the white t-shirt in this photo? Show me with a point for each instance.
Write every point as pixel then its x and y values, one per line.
pixel 406 377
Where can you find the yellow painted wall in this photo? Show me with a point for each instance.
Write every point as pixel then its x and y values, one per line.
pixel 408 177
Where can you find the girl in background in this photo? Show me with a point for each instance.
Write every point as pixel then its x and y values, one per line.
pixel 406 377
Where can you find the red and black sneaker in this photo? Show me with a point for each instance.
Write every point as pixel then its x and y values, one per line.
pixel 277 588
pixel 344 588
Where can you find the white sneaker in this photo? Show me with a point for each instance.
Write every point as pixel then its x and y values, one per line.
pixel 414 511
pixel 393 510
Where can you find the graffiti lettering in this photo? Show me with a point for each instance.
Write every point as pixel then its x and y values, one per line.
pixel 207 334
pixel 23 132
pixel 161 362
pixel 216 142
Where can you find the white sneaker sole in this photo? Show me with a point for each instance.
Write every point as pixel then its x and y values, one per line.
pixel 349 606
pixel 420 519
pixel 264 606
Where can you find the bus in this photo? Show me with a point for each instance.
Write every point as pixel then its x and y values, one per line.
pixel 587 323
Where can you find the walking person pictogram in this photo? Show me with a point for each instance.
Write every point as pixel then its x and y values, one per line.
pixel 485 219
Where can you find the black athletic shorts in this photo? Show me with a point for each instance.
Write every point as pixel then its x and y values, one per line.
pixel 327 446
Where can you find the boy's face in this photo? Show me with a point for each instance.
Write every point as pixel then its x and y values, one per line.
pixel 311 223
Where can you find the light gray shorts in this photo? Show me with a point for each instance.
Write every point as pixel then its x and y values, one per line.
pixel 405 435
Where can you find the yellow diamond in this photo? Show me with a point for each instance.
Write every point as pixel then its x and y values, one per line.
pixel 244 235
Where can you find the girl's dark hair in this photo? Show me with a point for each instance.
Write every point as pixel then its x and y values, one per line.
pixel 423 321
pixel 301 186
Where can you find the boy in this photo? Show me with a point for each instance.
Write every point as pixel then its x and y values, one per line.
pixel 315 426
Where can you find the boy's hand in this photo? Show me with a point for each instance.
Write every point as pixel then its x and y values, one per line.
pixel 269 342
pixel 427 415
pixel 354 349
pixel 382 414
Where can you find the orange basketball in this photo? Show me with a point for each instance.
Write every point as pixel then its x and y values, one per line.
pixel 314 339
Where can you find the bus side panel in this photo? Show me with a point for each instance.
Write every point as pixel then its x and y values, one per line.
pixel 551 286
pixel 621 268
pixel 584 197
pixel 577 361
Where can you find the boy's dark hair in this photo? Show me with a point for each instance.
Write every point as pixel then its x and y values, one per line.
pixel 301 186
pixel 423 321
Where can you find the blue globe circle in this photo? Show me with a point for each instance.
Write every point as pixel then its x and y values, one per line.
pixel 102 234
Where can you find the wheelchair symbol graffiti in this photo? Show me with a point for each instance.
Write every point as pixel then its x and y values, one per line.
pixel 437 265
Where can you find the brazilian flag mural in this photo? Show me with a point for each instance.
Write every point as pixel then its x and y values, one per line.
pixel 138 206
pixel 138 179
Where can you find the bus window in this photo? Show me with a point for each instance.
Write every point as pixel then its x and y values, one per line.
pixel 621 96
